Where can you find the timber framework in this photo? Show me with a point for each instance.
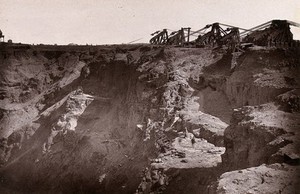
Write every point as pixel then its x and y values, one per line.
pixel 273 33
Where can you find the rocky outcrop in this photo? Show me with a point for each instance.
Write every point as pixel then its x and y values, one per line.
pixel 243 90
pixel 28 82
pixel 264 179
pixel 289 101
pixel 76 103
pixel 261 134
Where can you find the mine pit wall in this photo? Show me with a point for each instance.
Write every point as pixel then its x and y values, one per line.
pixel 109 142
pixel 264 131
pixel 248 145
pixel 242 93
pixel 221 89
pixel 29 81
pixel 122 151
pixel 221 92
pixel 238 90
pixel 113 124
pixel 251 141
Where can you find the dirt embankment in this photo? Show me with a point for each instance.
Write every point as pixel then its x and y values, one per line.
pixel 90 120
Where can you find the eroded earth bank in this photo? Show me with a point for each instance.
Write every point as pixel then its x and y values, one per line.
pixel 142 119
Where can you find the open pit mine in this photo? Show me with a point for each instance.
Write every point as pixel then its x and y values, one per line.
pixel 217 114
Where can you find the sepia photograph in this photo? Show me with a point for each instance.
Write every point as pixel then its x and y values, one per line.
pixel 149 97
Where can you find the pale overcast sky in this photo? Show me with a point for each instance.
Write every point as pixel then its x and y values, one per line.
pixel 122 21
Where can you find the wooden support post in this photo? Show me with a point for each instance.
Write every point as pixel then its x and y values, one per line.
pixel 188 36
pixel 182 38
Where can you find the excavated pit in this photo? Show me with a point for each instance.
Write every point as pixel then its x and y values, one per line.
pixel 146 103
pixel 105 134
